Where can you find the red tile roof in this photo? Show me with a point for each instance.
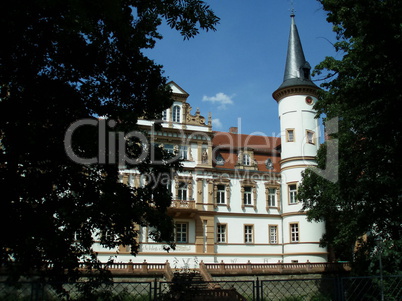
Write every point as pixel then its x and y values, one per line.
pixel 263 143
pixel 264 147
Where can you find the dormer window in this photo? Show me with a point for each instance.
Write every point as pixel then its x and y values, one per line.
pixel 176 114
pixel 268 164
pixel 246 159
pixel 305 70
pixel 219 159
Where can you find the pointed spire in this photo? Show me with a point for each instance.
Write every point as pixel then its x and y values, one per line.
pixel 297 69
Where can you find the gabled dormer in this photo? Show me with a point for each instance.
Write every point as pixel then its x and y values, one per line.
pixel 180 111
pixel 176 112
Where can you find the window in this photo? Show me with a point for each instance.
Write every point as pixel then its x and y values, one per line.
pixel 268 164
pixel 310 137
pixel 290 135
pixel 176 114
pixel 271 197
pixel 182 191
pixel 108 236
pixel 248 233
pixel 292 193
pixel 246 159
pixel 164 115
pixel 247 195
pixel 181 232
pixel 169 148
pixel 219 159
pixel 183 152
pixel 220 194
pixel 221 233
pixel 273 234
pixel 294 232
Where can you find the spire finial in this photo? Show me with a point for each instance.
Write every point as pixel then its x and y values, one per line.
pixel 297 69
pixel 292 8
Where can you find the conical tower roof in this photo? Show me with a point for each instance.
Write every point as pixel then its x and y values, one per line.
pixel 297 69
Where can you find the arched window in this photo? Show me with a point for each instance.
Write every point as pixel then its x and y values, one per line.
pixel 176 114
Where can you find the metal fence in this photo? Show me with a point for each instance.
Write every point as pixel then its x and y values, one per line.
pixel 317 289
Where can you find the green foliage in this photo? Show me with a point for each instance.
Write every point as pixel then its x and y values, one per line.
pixel 363 92
pixel 63 61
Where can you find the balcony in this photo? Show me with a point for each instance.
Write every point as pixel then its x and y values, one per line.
pixel 182 208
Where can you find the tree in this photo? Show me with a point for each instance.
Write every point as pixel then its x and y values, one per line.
pixel 363 92
pixel 63 62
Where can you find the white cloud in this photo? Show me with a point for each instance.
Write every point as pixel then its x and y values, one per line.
pixel 220 98
pixel 216 123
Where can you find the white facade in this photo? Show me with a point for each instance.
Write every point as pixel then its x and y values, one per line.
pixel 236 210
pixel 235 200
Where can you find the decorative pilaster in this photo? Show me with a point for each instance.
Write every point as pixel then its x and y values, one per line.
pixel 210 184
pixel 200 194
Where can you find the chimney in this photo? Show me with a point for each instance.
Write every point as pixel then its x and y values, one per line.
pixel 233 130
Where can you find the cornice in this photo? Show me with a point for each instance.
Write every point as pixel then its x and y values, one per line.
pixel 295 90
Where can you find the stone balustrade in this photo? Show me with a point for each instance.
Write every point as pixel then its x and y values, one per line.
pixel 275 268
pixel 222 268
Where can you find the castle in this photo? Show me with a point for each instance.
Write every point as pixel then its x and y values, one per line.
pixel 235 199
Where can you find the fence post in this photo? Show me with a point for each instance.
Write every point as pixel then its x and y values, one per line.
pixel 257 286
pixel 155 290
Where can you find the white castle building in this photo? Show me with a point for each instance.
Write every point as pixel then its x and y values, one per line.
pixel 235 200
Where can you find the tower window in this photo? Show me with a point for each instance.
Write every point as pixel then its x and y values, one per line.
pixel 176 114
pixel 292 193
pixel 290 135
pixel 294 232
pixel 310 137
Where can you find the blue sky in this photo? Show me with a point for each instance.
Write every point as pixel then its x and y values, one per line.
pixel 232 72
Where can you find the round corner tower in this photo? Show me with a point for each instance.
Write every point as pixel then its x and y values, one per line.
pixel 299 144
